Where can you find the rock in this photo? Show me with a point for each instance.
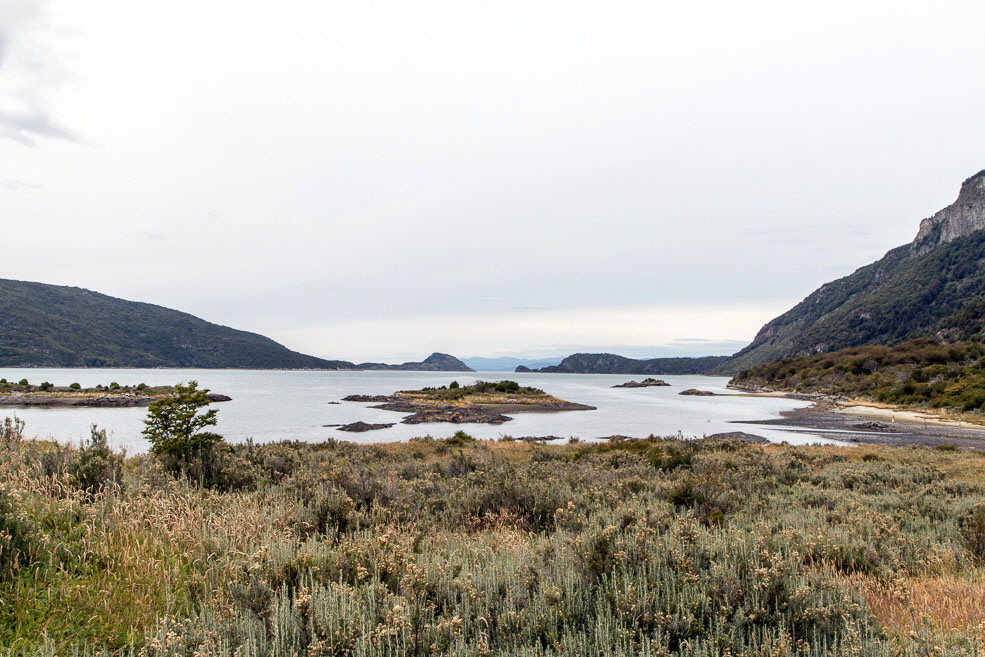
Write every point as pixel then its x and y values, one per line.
pixel 965 215
pixel 740 436
pixel 455 415
pixel 876 426
pixel 359 427
pixel 645 383
pixel 522 368
pixel 216 397
pixel 694 392
pixel 368 398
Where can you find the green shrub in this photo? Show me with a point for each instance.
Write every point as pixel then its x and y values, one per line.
pixel 15 541
pixel 174 426
pixel 96 467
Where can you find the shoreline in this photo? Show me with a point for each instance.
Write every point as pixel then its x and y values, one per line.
pixel 862 422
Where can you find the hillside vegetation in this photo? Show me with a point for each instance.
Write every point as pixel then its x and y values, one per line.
pixel 932 288
pixel 918 373
pixel 468 548
pixel 54 326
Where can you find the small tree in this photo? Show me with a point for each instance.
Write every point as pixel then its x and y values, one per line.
pixel 174 428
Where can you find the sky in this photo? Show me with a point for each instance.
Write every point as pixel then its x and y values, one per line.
pixel 374 180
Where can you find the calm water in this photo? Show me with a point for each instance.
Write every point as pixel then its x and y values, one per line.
pixel 278 405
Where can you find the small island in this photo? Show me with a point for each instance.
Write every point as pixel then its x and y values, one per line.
pixel 23 394
pixel 481 403
pixel 645 383
pixel 694 392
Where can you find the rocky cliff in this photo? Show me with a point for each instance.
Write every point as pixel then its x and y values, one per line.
pixel 964 216
pixel 933 287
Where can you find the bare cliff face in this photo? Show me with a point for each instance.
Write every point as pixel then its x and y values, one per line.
pixel 965 215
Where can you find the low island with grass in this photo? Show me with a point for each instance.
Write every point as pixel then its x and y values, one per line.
pixel 24 394
pixel 482 402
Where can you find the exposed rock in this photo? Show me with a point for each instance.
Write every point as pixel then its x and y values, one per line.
pixel 645 383
pixel 216 397
pixel 456 415
pixel 694 392
pixel 359 427
pixel 368 398
pixel 876 426
pixel 965 215
pixel 740 436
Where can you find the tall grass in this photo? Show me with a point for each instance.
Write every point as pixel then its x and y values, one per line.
pixel 655 547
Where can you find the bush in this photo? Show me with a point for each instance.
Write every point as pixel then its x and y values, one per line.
pixel 15 534
pixel 75 386
pixel 174 428
pixel 11 432
pixel 97 466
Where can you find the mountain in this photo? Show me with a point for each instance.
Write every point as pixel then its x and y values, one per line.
pixel 507 363
pixel 436 362
pixel 613 364
pixel 933 287
pixel 55 326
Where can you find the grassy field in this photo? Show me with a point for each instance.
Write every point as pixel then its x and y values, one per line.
pixel 463 547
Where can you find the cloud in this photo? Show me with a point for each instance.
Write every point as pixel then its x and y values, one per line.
pixel 17 185
pixel 26 75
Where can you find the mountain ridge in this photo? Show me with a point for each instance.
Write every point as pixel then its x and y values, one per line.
pixel 933 287
pixel 44 325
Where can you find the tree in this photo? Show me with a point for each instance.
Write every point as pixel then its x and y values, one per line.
pixel 174 428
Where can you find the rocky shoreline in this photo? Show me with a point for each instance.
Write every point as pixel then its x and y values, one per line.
pixel 85 400
pixel 828 417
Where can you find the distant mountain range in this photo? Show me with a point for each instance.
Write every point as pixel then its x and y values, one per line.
pixel 508 363
pixel 436 362
pixel 55 326
pixel 613 364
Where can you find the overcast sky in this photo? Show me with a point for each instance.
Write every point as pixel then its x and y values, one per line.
pixel 379 180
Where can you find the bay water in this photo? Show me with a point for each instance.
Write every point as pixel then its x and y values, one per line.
pixel 274 405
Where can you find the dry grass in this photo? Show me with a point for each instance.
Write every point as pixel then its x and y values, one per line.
pixel 936 609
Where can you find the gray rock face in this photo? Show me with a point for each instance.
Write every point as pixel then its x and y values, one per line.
pixel 965 215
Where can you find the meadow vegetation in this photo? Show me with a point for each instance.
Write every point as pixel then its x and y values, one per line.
pixel 467 547
pixel 920 373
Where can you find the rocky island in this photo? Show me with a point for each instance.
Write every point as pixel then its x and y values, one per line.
pixel 45 395
pixel 645 383
pixel 480 403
